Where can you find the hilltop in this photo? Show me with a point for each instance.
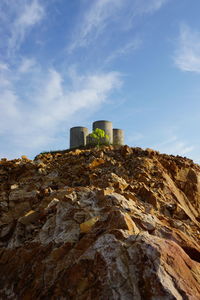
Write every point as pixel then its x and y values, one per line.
pixel 101 223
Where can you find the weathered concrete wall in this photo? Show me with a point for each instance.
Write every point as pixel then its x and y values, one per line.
pixel 106 126
pixel 118 136
pixel 78 136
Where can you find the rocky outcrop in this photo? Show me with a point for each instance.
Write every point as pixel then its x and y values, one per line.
pixel 109 223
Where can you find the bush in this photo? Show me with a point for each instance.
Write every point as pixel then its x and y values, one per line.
pixel 98 137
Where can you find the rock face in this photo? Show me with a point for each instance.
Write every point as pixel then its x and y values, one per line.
pixel 110 223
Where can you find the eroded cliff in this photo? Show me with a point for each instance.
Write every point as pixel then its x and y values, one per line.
pixel 111 223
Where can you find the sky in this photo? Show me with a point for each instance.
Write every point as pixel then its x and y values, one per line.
pixel 66 63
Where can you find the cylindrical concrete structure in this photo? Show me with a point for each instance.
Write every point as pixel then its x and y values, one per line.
pixel 106 126
pixel 118 136
pixel 78 136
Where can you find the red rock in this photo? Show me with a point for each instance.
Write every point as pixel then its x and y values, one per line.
pixel 114 223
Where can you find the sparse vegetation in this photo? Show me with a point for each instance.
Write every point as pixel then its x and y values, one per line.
pixel 98 138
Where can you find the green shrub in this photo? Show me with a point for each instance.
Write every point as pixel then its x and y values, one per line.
pixel 98 137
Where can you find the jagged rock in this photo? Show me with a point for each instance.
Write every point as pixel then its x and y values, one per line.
pixel 87 225
pixel 30 217
pixel 109 223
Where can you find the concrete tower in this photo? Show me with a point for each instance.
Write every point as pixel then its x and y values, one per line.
pixel 78 136
pixel 118 137
pixel 106 126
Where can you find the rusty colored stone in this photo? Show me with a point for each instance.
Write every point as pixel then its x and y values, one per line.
pixel 109 223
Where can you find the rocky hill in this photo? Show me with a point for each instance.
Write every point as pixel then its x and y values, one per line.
pixel 110 223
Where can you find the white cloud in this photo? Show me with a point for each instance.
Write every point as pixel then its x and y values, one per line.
pixel 59 103
pixel 3 66
pixel 31 14
pixel 102 13
pixel 8 110
pixel 26 65
pixel 187 54
pixel 174 145
pixel 148 6
pixel 124 50
pixel 34 121
pixel 17 18
pixel 95 21
pixel 35 102
pixel 4 70
pixel 135 137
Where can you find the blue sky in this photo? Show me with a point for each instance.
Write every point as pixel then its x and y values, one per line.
pixel 67 63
